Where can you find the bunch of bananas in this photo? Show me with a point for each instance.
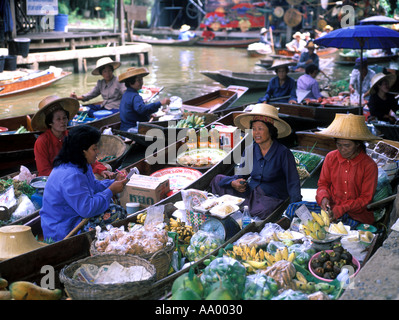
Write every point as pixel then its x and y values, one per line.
pixel 254 259
pixel 192 120
pixel 141 217
pixel 317 227
pixel 302 284
pixel 184 231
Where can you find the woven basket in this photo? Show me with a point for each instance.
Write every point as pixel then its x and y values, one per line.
pixel 128 290
pixel 111 146
pixel 160 259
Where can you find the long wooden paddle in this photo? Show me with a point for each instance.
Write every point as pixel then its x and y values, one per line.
pixel 77 228
pixel 271 39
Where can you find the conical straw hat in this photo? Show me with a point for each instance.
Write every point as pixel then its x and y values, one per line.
pixel 104 62
pixel 378 78
pixel 263 112
pixel 281 63
pixel 47 105
pixel 350 127
pixel 132 72
pixel 16 240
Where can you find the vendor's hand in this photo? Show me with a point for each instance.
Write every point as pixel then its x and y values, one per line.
pixel 351 90
pixel 74 96
pixel 165 101
pixel 292 102
pixel 325 204
pixel 121 175
pixel 107 174
pixel 239 185
pixel 118 186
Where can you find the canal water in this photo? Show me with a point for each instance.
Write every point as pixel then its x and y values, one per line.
pixel 177 69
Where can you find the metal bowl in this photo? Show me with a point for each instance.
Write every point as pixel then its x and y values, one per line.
pixel 39 182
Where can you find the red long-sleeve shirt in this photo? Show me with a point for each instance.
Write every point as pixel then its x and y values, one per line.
pixel 46 148
pixel 349 185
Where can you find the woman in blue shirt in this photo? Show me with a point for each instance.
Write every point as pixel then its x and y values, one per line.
pixel 72 192
pixel 267 174
pixel 281 88
pixel 132 108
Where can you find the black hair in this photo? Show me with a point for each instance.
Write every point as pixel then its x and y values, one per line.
pixel 286 68
pixel 79 138
pixel 50 116
pixel 311 68
pixel 130 81
pixel 272 129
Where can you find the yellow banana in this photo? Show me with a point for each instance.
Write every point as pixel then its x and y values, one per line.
pixel 292 256
pixel 257 264
pixel 261 254
pixel 317 218
pixel 316 226
pixel 270 258
pixel 284 253
pixel 277 255
pixel 310 225
pixel 253 252
pixel 325 217
pixel 321 234
pixel 301 277
pixel 248 267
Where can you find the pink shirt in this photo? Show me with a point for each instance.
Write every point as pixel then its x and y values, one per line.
pixel 349 185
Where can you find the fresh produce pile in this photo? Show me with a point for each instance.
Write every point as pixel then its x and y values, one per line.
pixel 192 120
pixel 317 227
pixel 306 162
pixel 24 290
pixel 20 187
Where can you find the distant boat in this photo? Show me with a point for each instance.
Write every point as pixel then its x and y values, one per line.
pixel 251 80
pixel 24 80
pixel 232 43
pixel 166 42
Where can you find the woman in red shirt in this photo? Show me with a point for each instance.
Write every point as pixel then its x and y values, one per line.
pixel 348 178
pixel 52 118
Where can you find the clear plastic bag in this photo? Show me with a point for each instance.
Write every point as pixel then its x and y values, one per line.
pixel 251 239
pixel 155 217
pixel 202 243
pixel 25 207
pixel 259 287
pixel 270 231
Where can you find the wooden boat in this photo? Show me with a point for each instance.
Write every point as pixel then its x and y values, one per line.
pixel 17 149
pixel 388 131
pixel 64 252
pixel 228 43
pixel 320 52
pixel 207 106
pixel 166 42
pixel 350 60
pixel 22 81
pixel 251 80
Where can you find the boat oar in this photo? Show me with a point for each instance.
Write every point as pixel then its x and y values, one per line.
pixel 381 202
pixel 271 39
pixel 77 228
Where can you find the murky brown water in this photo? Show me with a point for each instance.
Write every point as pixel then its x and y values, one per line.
pixel 174 68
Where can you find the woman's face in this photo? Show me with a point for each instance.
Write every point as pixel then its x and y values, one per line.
pixel 138 84
pixel 91 154
pixel 60 122
pixel 282 73
pixel 347 148
pixel 107 73
pixel 384 86
pixel 260 132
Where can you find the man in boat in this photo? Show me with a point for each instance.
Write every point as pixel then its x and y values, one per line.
pixel 52 118
pixel 327 29
pixel 297 44
pixel 382 104
pixel 185 33
pixel 72 193
pixel 132 108
pixel 307 57
pixel 308 83
pixel 267 174
pixel 208 34
pixel 281 88
pixel 363 72
pixel 110 89
pixel 348 177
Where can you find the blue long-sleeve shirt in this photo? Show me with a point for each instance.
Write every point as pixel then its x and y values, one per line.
pixel 71 195
pixel 305 56
pixel 133 109
pixel 274 90
pixel 275 173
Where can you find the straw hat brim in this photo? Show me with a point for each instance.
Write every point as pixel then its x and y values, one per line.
pixel 17 240
pixel 185 27
pixel 69 104
pixel 243 121
pixel 378 78
pixel 280 64
pixel 133 72
pixel 114 64
pixel 348 127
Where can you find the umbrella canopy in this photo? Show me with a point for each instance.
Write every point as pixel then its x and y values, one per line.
pixel 377 20
pixel 360 37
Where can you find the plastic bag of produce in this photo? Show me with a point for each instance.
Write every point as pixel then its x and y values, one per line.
pixel 291 295
pixel 259 287
pixel 202 243
pixel 270 231
pixel 226 272
pixel 303 252
pixel 251 239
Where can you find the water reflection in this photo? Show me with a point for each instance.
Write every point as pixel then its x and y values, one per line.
pixel 174 68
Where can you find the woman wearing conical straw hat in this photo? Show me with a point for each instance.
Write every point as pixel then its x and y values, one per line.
pixel 110 89
pixel 348 177
pixel 382 103
pixel 267 174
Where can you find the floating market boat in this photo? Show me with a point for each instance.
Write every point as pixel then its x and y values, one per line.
pixel 228 43
pixel 166 42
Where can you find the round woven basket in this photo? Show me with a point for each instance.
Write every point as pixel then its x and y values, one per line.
pixel 160 259
pixel 80 290
pixel 110 148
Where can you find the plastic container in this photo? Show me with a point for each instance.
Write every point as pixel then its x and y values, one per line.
pixel 214 142
pixel 191 139
pixel 246 217
pixel 10 63
pixel 132 207
pixel 203 137
pixel 101 114
pixel 60 22
pixel 19 47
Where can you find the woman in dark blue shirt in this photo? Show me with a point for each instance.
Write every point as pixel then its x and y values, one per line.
pixel 132 107
pixel 281 88
pixel 267 174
